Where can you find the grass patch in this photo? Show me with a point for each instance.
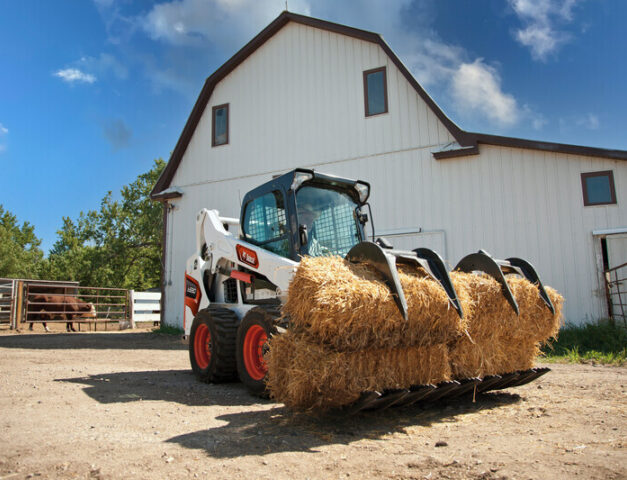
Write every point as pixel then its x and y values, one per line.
pixel 603 342
pixel 168 330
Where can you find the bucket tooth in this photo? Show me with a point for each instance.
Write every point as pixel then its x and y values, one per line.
pixel 384 263
pixel 482 261
pixel 433 265
pixel 526 270
pixel 436 268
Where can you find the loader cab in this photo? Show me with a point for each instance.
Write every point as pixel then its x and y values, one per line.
pixel 305 213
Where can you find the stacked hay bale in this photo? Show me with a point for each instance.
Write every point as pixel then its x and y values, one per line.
pixel 347 335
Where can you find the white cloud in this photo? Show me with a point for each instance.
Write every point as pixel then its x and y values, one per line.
pixel 543 20
pixel 73 75
pixel 476 87
pixel 3 132
pixel 103 64
pixel 589 121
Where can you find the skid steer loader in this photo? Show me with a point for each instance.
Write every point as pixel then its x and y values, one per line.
pixel 238 278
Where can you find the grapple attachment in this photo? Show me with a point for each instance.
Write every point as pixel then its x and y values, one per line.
pixel 497 269
pixel 384 262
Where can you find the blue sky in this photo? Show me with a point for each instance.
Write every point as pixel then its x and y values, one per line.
pixel 92 91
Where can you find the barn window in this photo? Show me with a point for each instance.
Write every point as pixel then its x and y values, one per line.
pixel 598 188
pixel 375 91
pixel 220 125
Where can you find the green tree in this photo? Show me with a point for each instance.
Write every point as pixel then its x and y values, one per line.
pixel 118 245
pixel 20 255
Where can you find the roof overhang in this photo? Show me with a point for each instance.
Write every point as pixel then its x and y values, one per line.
pixel 167 194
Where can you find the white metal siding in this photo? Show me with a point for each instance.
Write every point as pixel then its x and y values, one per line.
pixel 298 101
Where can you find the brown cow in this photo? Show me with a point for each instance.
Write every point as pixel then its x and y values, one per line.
pixel 61 307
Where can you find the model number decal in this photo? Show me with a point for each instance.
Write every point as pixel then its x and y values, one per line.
pixel 247 256
pixel 191 290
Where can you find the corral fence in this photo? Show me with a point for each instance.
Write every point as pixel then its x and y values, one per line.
pixel 27 302
pixel 616 292
pixel 7 310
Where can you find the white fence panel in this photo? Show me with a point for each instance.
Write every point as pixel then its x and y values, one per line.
pixel 145 307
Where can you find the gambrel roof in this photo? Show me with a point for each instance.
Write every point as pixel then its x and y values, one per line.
pixel 467 143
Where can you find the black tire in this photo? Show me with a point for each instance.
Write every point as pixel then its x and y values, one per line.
pixel 212 345
pixel 256 324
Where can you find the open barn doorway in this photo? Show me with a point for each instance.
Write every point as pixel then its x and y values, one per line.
pixel 613 250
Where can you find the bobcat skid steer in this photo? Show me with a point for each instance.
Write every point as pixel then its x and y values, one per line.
pixel 238 278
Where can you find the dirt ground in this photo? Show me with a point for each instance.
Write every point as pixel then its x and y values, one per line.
pixel 126 405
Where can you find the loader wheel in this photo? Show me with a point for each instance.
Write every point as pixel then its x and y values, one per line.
pixel 252 339
pixel 212 345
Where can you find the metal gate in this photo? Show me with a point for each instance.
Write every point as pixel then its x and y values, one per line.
pixel 49 302
pixel 7 301
pixel 616 292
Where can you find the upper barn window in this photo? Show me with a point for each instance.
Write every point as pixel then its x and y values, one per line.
pixel 598 188
pixel 375 91
pixel 220 125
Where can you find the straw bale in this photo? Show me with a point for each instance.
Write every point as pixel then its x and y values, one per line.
pixel 306 375
pixel 348 307
pixel 498 340
pixel 494 356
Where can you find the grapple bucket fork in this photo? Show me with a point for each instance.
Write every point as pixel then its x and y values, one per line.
pixel 385 260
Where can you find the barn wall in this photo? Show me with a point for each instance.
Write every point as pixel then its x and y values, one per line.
pixel 298 101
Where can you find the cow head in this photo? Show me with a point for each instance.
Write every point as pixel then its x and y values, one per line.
pixel 90 311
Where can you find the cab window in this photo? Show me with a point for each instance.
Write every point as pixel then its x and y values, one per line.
pixel 265 223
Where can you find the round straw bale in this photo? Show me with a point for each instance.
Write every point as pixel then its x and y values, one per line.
pixel 306 375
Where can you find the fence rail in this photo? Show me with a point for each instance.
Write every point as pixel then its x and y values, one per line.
pixel 7 301
pixel 27 302
pixel 145 307
pixel 616 292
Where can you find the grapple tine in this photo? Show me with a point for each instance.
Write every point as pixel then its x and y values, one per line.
pixel 527 271
pixel 436 268
pixel 534 374
pixel 366 400
pixel 388 398
pixel 483 262
pixel 384 263
pixel 488 382
pixel 417 393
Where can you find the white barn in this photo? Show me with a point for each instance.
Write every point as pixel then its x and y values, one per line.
pixel 299 95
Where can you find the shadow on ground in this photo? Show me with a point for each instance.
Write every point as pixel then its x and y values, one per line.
pixel 177 386
pixel 280 430
pixel 92 340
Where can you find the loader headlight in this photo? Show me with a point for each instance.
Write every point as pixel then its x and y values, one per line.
pixel 299 179
pixel 363 189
